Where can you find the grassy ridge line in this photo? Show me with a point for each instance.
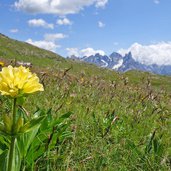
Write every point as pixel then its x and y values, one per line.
pixel 11 49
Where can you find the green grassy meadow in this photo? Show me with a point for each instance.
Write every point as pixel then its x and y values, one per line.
pixel 116 121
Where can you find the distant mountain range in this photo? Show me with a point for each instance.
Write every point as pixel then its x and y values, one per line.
pixel 125 63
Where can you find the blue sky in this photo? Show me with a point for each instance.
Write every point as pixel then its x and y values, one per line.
pixel 84 27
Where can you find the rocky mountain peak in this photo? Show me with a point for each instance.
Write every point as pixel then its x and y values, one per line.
pixel 125 63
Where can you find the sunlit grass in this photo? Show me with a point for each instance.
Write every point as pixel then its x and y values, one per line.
pixel 118 121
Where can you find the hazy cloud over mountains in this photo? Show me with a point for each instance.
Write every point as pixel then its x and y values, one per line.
pixel 50 41
pixel 44 44
pixel 84 52
pixel 159 53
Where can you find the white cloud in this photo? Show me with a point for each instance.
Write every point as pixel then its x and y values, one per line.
pixel 101 3
pixel 84 52
pixel 91 51
pixel 49 42
pixel 14 30
pixel 159 53
pixel 101 24
pixel 156 1
pixel 64 21
pixel 54 37
pixel 60 7
pixel 73 51
pixel 44 44
pixel 40 23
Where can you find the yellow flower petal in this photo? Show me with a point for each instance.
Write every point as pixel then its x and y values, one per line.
pixel 16 81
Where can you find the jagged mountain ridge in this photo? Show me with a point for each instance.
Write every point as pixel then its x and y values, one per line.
pixel 124 63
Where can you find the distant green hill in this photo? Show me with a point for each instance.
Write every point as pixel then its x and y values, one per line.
pixel 11 49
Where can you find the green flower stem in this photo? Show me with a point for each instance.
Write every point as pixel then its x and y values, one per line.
pixel 10 162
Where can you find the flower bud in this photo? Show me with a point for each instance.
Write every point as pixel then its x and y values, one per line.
pixel 7 123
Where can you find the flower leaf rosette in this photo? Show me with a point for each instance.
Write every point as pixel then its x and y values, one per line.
pixel 16 83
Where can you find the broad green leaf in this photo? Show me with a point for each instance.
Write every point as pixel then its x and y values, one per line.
pixel 24 141
pixel 16 158
pixel 36 122
pixel 16 162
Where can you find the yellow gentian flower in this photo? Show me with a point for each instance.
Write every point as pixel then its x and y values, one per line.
pixel 17 81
